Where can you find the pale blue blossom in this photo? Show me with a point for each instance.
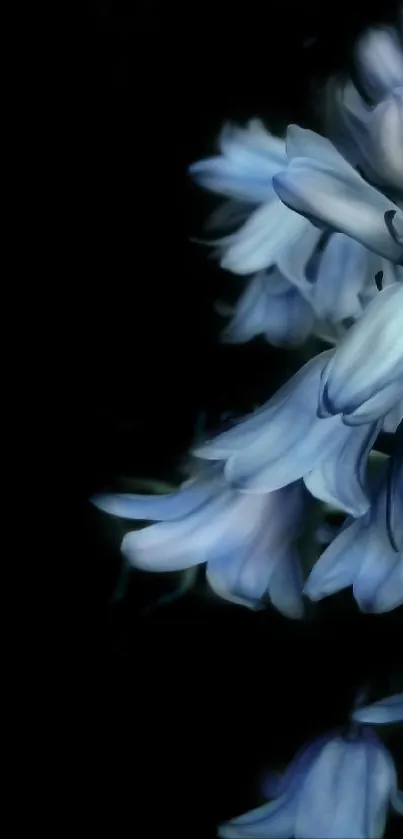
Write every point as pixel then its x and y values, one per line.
pixel 285 440
pixel 363 379
pixel 383 712
pixel 247 541
pixel 322 185
pixel 333 274
pixel 367 554
pixel 338 787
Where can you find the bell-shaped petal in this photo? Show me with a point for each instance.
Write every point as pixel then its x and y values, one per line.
pixel 384 711
pixel 285 440
pixel 364 557
pixel 363 380
pixel 320 184
pixel 347 791
pixel 265 567
pixel 337 787
pixel 249 158
pixel 280 314
pixel 247 541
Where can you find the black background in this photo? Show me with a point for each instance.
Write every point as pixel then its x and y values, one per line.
pixel 192 702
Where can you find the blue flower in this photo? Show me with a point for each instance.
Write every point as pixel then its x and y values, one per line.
pixel 334 274
pixel 367 554
pixel 285 440
pixel 248 542
pixel 384 711
pixel 363 380
pixel 338 787
pixel 320 184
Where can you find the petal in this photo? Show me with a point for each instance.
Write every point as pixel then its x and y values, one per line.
pixel 340 563
pixel 385 711
pixel 249 158
pixel 270 306
pixel 300 387
pixel 304 143
pixel 173 505
pixel 244 571
pixel 340 479
pixel 397 801
pixel 284 441
pixel 380 59
pixel 285 585
pixel 271 821
pixel 346 793
pixel 174 545
pixel 258 244
pixel 361 380
pixel 275 786
pixel 386 135
pixel 341 199
pixel 389 594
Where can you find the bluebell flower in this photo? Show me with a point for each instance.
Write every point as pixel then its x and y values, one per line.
pixel 367 554
pixel 248 542
pixel 333 274
pixel 371 135
pixel 338 787
pixel 285 440
pixel 387 710
pixel 363 379
pixel 322 185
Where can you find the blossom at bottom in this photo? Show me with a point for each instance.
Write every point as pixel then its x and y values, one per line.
pixel 382 712
pixel 247 541
pixel 338 787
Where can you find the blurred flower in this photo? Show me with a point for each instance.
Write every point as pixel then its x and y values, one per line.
pixel 338 787
pixel 285 440
pixel 272 307
pixel 363 379
pixel 384 711
pixel 247 541
pixel 371 135
pixel 320 184
pixel 364 556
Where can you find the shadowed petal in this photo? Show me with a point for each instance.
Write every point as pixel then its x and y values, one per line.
pixel 385 711
pixel 397 801
pixel 282 316
pixel 340 480
pixel 364 380
pixel 338 566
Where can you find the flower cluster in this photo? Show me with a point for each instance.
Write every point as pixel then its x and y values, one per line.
pixel 315 225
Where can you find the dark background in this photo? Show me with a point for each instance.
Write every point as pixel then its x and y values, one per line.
pixel 191 702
